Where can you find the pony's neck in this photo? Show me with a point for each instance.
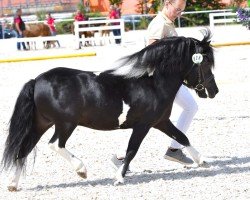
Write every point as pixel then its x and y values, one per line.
pixel 168 85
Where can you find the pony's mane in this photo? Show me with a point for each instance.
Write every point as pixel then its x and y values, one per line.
pixel 169 54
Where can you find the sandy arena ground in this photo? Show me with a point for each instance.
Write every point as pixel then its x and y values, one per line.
pixel 220 131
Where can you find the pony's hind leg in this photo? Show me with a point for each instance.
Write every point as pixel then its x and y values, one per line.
pixel 62 132
pixel 12 186
pixel 39 128
pixel 139 133
pixel 169 129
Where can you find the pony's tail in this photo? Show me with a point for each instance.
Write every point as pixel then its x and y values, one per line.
pixel 21 138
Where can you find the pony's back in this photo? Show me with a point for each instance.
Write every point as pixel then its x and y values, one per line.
pixel 36 30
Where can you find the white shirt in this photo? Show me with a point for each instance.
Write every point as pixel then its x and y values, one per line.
pixel 161 27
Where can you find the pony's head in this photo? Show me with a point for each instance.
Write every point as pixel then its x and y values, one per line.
pixel 200 77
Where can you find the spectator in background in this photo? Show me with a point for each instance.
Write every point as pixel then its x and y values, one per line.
pixel 115 14
pixel 79 16
pixel 118 11
pixel 51 23
pixel 19 27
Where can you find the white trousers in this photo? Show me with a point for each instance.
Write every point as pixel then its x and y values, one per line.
pixel 186 101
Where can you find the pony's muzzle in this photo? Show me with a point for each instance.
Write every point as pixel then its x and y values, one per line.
pixel 212 91
pixel 211 87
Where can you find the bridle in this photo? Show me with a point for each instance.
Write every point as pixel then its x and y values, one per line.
pixel 197 59
pixel 202 84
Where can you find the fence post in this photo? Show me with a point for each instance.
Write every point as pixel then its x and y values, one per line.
pixel 179 22
pixel 133 22
pixel 77 39
pixel 122 27
pixel 211 20
pixel 3 27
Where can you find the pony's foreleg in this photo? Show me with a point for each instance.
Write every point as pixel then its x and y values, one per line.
pixel 12 187
pixel 139 133
pixel 75 162
pixel 168 128
pixel 33 45
pixel 58 44
pixel 28 45
pixel 197 157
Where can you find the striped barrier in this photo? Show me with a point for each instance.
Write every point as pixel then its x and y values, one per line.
pixel 231 44
pixel 47 57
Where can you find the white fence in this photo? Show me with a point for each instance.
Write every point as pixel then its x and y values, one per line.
pixel 222 18
pixel 97 27
pixel 36 39
pixel 94 26
pixel 38 42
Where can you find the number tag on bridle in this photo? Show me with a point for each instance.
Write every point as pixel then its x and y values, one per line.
pixel 197 58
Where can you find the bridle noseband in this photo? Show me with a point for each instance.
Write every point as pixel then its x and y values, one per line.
pixel 202 84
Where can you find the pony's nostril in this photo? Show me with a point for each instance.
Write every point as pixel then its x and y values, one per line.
pixel 217 90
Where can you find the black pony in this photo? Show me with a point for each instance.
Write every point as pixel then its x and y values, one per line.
pixel 137 94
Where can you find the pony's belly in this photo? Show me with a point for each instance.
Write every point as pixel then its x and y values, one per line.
pixel 100 124
pixel 106 119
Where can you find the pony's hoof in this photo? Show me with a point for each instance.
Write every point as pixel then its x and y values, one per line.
pixel 12 188
pixel 188 166
pixel 82 174
pixel 119 182
pixel 204 164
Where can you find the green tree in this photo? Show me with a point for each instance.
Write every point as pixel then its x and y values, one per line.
pixel 80 6
pixel 197 5
pixel 156 6
pixel 117 2
pixel 140 8
pixel 236 3
pixel 200 18
pixel 41 15
pixel 148 6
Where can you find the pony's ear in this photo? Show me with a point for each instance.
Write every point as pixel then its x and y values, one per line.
pixel 205 42
pixel 207 35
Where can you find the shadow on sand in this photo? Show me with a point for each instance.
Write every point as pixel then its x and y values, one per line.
pixel 219 166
